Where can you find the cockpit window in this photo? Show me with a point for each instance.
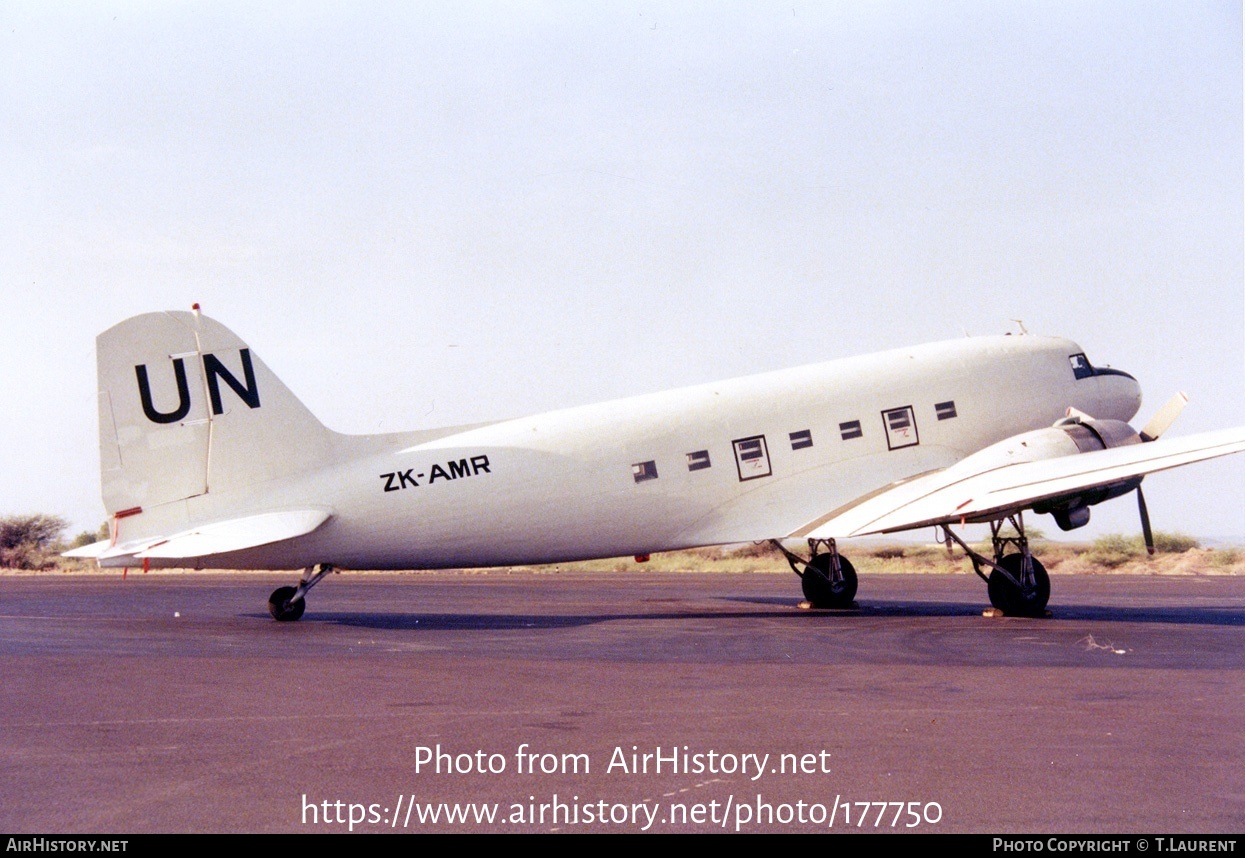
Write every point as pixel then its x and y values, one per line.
pixel 1081 367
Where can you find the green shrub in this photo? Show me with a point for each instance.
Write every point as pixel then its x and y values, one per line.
pixel 1114 550
pixel 1174 543
pixel 87 537
pixel 28 541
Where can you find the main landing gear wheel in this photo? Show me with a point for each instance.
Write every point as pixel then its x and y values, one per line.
pixel 819 586
pixel 282 609
pixel 1028 601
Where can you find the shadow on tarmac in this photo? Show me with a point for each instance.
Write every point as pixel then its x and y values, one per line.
pixel 1183 616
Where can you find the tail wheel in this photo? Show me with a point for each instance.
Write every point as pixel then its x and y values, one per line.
pixel 1027 601
pixel 820 587
pixel 282 609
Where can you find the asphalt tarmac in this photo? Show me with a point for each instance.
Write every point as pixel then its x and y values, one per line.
pixel 618 702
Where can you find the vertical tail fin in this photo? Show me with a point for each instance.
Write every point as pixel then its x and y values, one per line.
pixel 186 409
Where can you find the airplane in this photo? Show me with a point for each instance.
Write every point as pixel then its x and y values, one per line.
pixel 209 461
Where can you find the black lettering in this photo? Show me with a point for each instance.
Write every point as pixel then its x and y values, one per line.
pixel 389 486
pixel 405 477
pixel 437 471
pixel 183 394
pixel 478 464
pixel 248 393
pixel 459 469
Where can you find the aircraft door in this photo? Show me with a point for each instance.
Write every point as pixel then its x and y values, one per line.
pixel 752 457
pixel 900 426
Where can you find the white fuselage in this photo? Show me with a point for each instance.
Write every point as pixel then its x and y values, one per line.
pixel 751 458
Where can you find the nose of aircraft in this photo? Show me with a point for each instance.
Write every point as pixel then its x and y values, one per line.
pixel 1119 393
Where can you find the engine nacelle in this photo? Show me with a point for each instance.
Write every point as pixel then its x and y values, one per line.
pixel 1075 434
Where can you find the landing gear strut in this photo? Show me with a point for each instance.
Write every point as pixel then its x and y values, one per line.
pixel 287 604
pixel 1018 584
pixel 828 579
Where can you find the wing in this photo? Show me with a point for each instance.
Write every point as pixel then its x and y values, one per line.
pixel 977 491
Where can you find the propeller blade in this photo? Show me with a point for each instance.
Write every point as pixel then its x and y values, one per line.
pixel 1146 533
pixel 1165 417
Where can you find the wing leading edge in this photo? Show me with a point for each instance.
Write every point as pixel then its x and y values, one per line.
pixel 974 490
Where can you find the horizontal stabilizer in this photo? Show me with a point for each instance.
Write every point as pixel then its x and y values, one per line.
pixel 95 549
pixel 960 493
pixel 220 537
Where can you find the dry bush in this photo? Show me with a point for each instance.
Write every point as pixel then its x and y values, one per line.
pixel 756 549
pixel 1223 558
pixel 928 555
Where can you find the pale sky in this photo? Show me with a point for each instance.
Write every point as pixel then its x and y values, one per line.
pixel 429 214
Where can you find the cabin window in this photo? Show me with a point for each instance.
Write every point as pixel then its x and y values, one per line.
pixel 851 429
pixel 944 410
pixel 801 439
pixel 900 427
pixel 752 457
pixel 698 461
pixel 644 471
